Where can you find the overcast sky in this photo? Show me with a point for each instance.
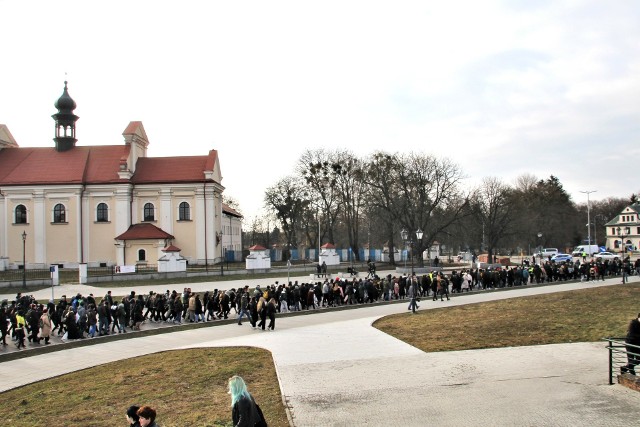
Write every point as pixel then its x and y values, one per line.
pixel 500 87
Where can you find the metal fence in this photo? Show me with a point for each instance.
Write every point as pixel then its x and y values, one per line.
pixel 28 274
pixel 621 356
pixel 113 270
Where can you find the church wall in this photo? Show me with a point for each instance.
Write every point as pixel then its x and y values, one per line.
pixel 152 249
pixel 61 239
pixel 184 231
pixel 48 242
pixel 3 226
pixel 13 236
pixel 100 234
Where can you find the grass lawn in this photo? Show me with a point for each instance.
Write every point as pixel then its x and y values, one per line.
pixel 575 316
pixel 186 388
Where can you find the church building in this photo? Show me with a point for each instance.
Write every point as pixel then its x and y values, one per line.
pixel 105 205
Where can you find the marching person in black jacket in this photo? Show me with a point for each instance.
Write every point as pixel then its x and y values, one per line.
pixel 633 346
pixel 271 312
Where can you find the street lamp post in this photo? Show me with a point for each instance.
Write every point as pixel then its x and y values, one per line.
pixel 419 236
pixel 24 259
pixel 540 246
pixel 405 235
pixel 623 232
pixel 588 215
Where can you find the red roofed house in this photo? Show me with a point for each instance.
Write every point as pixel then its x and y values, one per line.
pixel 109 204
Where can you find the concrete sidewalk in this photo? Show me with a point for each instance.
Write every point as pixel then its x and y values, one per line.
pixel 336 370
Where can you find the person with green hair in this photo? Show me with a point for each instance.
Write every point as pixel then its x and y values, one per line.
pixel 245 412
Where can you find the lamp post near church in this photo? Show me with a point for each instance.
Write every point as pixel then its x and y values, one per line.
pixel 623 232
pixel 24 259
pixel 405 236
pixel 419 236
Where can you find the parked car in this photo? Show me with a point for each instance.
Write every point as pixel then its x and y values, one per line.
pixel 547 252
pixel 559 258
pixel 603 256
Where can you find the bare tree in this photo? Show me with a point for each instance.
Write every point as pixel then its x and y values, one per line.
pixel 429 197
pixel 316 168
pixel 348 175
pixel 260 229
pixel 494 210
pixel 381 190
pixel 287 201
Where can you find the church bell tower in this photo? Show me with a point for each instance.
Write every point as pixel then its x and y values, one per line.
pixel 65 122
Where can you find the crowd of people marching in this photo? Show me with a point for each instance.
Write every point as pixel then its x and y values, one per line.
pixel 87 316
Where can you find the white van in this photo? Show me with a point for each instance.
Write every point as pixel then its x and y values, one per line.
pixel 588 249
pixel 549 252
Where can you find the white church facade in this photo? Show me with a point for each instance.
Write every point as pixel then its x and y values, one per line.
pixel 105 205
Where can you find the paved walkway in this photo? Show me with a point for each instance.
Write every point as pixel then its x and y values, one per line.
pixel 336 370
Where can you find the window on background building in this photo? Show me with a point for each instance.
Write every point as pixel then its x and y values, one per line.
pixel 102 212
pixel 184 212
pixel 149 212
pixel 59 214
pixel 142 255
pixel 21 214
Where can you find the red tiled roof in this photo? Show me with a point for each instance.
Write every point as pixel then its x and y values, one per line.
pixel 328 246
pixel 95 165
pixel 170 169
pixel 144 231
pixel 171 248
pixel 44 165
pixel 257 248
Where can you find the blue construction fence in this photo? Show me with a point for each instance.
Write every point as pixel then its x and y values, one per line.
pixel 345 255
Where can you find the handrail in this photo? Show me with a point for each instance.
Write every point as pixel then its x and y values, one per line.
pixel 619 352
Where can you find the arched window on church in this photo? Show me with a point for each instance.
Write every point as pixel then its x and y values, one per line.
pixel 184 212
pixel 102 213
pixel 142 255
pixel 21 214
pixel 59 214
pixel 149 212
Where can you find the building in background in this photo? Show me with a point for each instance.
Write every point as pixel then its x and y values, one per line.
pixel 231 234
pixel 624 227
pixel 105 205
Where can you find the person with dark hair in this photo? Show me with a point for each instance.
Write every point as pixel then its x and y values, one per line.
pixel 132 416
pixel 147 417
pixel 271 312
pixel 244 305
pixel 633 346
pixel 412 293
pixel 253 312
pixel 92 320
pixel 4 326
pixel 262 313
pixel 73 331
